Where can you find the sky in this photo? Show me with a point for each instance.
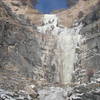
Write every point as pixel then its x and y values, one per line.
pixel 46 6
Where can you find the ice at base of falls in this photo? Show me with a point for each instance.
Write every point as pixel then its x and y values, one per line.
pixel 67 40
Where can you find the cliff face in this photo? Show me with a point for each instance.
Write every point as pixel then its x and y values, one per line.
pixel 41 49
pixel 89 49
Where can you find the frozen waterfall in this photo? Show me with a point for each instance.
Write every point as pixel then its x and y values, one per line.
pixel 67 40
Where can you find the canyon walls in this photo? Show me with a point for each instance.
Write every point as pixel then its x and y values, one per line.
pixel 61 49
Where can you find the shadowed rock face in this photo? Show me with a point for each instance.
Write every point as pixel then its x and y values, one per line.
pixel 34 2
pixel 15 39
pixel 72 2
pixel 21 2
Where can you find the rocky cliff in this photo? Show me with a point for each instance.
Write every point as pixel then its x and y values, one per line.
pixel 49 57
pixel 89 49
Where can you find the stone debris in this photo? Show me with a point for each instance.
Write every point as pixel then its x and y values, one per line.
pixel 21 95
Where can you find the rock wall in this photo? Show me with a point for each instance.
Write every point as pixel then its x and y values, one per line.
pixel 88 64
